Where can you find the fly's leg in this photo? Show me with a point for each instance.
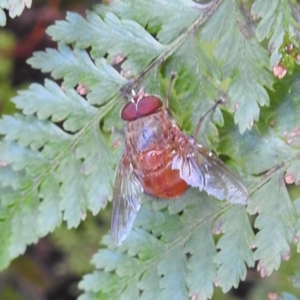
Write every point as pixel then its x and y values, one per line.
pixel 173 76
pixel 219 101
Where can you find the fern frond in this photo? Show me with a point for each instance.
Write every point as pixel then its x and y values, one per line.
pixel 57 160
pixel 110 35
pixel 244 60
pixel 278 18
pixel 180 249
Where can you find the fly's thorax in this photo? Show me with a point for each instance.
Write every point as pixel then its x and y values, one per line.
pixel 143 133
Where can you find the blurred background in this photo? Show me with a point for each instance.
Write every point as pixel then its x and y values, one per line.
pixel 51 269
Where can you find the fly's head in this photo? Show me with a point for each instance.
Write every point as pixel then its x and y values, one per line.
pixel 141 105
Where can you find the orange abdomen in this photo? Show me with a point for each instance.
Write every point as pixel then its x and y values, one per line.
pixel 158 179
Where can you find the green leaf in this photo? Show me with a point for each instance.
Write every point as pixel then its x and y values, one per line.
pixel 261 9
pixel 22 216
pixel 173 237
pixel 276 220
pixel 257 151
pixel 39 160
pixel 281 114
pixel 233 260
pixel 19 158
pixel 173 270
pixel 39 132
pixel 9 177
pixel 149 284
pixel 244 61
pixel 201 283
pixel 277 19
pixel 72 191
pixel 52 101
pixel 76 67
pixel 97 163
pixel 92 282
pixel 156 15
pixel 24 229
pixel 118 38
pixel 50 215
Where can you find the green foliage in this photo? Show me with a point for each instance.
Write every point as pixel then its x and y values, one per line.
pixel 161 257
pixel 276 221
pixel 278 18
pixel 156 15
pixel 117 37
pixel 58 156
pixel 244 60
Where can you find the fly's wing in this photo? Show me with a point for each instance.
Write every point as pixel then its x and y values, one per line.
pixel 126 200
pixel 206 171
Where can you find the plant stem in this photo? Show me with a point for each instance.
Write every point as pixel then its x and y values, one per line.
pixel 132 83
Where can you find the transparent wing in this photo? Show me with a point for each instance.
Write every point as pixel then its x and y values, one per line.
pixel 206 171
pixel 126 200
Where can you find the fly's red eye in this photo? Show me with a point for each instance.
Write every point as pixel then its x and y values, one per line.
pixel 145 106
pixel 148 105
pixel 129 112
